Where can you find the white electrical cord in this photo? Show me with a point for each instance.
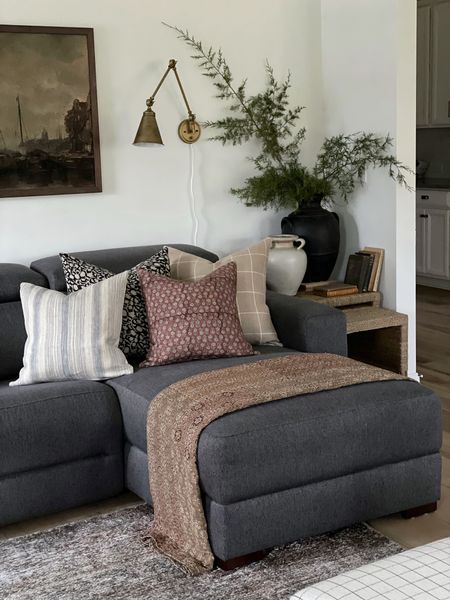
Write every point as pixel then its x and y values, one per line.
pixel 192 197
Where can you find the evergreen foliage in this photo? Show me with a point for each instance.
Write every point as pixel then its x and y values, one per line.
pixel 281 181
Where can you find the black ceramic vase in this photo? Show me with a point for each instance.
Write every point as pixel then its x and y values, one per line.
pixel 320 230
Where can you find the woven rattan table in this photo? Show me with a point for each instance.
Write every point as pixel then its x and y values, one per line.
pixel 375 335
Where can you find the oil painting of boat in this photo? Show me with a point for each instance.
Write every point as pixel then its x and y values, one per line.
pixel 49 138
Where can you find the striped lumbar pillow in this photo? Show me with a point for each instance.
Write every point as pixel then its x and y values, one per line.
pixel 75 336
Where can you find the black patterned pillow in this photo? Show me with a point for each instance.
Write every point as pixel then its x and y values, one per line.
pixel 134 338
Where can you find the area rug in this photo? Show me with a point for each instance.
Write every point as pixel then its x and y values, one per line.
pixel 106 557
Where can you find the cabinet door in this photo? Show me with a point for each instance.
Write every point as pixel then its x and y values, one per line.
pixel 440 70
pixel 423 64
pixel 437 242
pixel 420 242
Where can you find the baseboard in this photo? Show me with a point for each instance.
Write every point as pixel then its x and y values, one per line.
pixel 443 284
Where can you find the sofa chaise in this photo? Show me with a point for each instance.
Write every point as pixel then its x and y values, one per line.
pixel 270 474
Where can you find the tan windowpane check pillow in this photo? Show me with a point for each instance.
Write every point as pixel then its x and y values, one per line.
pixel 251 285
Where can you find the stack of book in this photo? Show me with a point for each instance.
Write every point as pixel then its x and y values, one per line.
pixel 364 269
pixel 362 275
pixel 328 289
pixel 335 288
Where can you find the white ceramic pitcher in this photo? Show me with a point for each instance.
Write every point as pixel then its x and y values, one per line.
pixel 286 264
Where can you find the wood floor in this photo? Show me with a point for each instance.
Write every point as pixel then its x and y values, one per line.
pixel 433 358
pixel 433 343
pixel 433 363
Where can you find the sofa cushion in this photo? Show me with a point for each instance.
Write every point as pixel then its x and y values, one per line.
pixel 251 285
pixel 11 276
pixel 193 320
pixel 52 423
pixel 79 274
pixel 12 328
pixel 316 437
pixel 12 339
pixel 295 441
pixel 114 259
pixel 74 336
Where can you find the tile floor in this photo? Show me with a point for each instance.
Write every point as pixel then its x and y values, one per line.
pixel 433 357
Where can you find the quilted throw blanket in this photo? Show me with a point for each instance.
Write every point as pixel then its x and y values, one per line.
pixel 179 413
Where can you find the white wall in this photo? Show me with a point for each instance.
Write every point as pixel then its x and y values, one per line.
pixel 368 61
pixel 145 197
pixel 352 64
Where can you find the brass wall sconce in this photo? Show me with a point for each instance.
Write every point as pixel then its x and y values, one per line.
pixel 148 133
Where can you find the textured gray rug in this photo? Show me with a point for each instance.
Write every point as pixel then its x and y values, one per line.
pixel 104 557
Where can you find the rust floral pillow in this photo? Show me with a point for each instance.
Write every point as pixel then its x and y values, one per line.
pixel 192 320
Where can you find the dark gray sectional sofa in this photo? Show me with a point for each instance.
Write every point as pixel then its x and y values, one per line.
pixel 270 474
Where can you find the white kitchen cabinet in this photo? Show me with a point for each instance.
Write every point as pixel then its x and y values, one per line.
pixel 423 64
pixel 433 60
pixel 433 235
pixel 437 242
pixel 440 65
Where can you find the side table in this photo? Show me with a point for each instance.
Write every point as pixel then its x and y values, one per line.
pixel 375 335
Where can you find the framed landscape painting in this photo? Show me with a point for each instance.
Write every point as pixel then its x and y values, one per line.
pixel 49 139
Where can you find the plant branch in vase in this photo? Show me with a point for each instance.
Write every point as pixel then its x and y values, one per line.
pixel 280 180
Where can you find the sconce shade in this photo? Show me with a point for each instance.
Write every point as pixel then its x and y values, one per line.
pixel 148 131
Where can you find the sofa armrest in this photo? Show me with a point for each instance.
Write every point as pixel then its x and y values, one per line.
pixel 308 326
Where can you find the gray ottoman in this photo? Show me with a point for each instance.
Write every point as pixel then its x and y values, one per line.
pixel 285 470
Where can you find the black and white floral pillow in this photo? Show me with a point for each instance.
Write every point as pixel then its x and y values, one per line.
pixel 134 338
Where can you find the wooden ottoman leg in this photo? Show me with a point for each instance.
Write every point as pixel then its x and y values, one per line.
pixel 419 510
pixel 241 561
